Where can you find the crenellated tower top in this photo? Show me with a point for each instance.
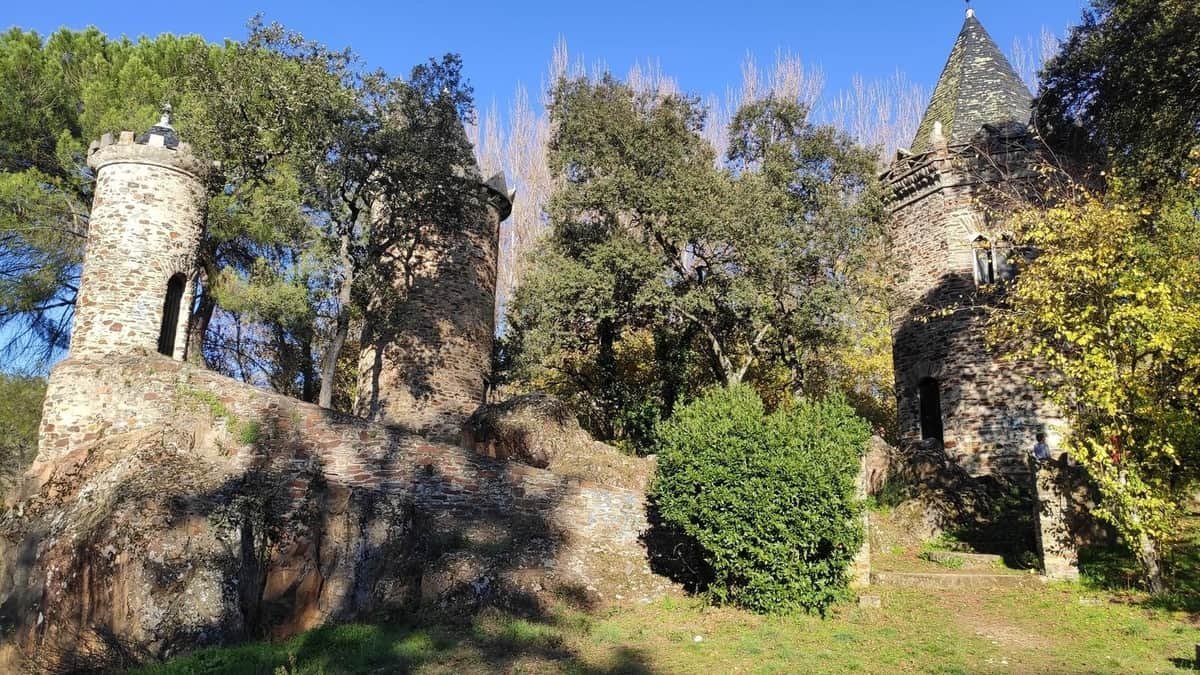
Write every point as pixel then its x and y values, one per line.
pixel 144 232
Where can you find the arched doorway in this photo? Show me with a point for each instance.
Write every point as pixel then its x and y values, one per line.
pixel 931 409
pixel 170 314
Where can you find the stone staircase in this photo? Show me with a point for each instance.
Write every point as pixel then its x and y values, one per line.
pixel 901 558
pixel 950 580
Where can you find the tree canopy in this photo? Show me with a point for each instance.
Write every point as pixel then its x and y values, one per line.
pixel 1126 81
pixel 309 144
pixel 666 266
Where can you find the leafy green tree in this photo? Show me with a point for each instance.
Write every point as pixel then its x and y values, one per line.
pixel 20 414
pixel 631 167
pixel 1112 304
pixel 738 271
pixel 770 499
pixel 326 169
pixel 805 206
pixel 390 180
pixel 1125 80
pixel 247 105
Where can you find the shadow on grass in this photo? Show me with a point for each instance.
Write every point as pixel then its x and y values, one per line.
pixel 1115 568
pixel 1184 664
pixel 494 641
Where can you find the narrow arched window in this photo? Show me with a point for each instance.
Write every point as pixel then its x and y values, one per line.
pixel 1002 260
pixel 931 409
pixel 985 267
pixel 170 314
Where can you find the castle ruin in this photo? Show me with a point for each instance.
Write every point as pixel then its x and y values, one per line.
pixel 170 507
pixel 958 396
pixel 146 221
pixel 954 389
pixel 141 455
pixel 426 359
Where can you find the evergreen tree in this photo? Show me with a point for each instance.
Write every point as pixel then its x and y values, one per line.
pixel 1125 80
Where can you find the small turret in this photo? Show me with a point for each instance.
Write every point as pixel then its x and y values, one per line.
pixel 143 234
pixel 427 342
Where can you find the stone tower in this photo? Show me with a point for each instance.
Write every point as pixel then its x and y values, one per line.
pixel 146 221
pixel 136 288
pixel 426 353
pixel 953 389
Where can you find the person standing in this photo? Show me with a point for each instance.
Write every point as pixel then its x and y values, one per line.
pixel 1041 451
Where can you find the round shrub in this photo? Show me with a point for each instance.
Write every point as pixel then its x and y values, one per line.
pixel 769 499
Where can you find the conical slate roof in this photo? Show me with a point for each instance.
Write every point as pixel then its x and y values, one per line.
pixel 978 86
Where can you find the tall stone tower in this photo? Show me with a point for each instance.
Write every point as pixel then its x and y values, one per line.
pixel 146 221
pixel 136 288
pixel 426 353
pixel 953 261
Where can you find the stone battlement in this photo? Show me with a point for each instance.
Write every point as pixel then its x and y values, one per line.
pixel 126 148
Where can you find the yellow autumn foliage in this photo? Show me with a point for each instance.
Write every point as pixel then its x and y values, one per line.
pixel 1109 297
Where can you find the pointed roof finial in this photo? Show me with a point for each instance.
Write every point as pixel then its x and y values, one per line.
pixel 970 10
pixel 164 120
pixel 937 138
pixel 978 86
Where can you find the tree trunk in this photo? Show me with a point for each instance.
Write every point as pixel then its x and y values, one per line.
pixel 1148 555
pixel 670 353
pixel 308 377
pixel 332 352
pixel 606 362
pixel 1147 549
pixel 198 326
pixel 341 328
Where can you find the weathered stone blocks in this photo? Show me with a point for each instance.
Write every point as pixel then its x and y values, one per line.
pixel 193 509
pixel 990 408
pixel 426 358
pixel 145 226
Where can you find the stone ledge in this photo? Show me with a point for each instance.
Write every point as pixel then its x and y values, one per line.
pixel 949 580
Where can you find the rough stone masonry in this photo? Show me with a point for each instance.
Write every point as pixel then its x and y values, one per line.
pixel 192 509
pixel 146 220
pixel 956 392
pixel 170 507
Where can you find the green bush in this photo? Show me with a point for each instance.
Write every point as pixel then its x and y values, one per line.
pixel 20 415
pixel 769 499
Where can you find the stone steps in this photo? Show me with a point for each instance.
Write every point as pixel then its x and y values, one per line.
pixel 967 561
pixel 950 580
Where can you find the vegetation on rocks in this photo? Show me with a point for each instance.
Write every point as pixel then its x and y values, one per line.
pixel 20 415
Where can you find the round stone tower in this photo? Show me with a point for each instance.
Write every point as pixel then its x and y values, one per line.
pixel 427 340
pixel 146 221
pixel 955 389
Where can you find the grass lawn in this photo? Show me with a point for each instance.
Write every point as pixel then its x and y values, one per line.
pixel 1057 628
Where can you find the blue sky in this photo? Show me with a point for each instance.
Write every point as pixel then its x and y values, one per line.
pixel 700 43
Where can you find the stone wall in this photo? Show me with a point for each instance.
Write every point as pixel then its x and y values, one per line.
pixel 427 343
pixel 991 411
pixel 145 227
pixel 573 531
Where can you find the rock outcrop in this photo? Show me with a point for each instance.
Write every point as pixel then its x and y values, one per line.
pixel 193 510
pixel 541 431
pixel 150 543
